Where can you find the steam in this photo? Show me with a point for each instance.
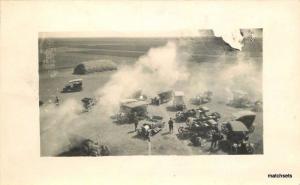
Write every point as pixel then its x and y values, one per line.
pixel 161 68
pixel 223 77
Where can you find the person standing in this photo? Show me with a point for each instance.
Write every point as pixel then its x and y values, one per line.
pixel 56 101
pixel 171 125
pixel 135 121
pixel 215 139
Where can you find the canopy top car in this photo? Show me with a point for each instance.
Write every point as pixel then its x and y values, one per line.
pixel 247 118
pixel 237 126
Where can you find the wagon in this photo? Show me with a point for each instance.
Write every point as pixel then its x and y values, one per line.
pixel 162 97
pixel 178 101
pixel 128 109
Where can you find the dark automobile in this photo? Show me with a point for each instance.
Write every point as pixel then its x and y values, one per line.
pixel 88 103
pixel 73 86
pixel 151 126
pixel 91 148
pixel 247 118
pixel 199 128
pixel 237 135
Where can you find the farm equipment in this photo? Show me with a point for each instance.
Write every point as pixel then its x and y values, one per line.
pixel 151 126
pixel 73 86
pixel 178 101
pixel 91 148
pixel 203 98
pixel 162 97
pixel 129 109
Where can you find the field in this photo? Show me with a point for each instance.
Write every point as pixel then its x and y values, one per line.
pixel 64 127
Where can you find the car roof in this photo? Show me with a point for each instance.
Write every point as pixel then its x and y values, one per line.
pixel 165 92
pixel 237 126
pixel 135 104
pixel 203 108
pixel 244 113
pixel 213 122
pixel 129 100
pixel 76 80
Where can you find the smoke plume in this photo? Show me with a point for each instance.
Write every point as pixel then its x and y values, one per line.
pixel 161 68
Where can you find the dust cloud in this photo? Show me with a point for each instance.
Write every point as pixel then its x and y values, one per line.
pixel 162 68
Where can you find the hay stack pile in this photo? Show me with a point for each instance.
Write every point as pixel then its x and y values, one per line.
pixel 94 66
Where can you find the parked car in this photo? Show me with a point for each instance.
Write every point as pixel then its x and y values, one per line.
pixel 92 148
pixel 203 129
pixel 151 126
pixel 237 135
pixel 247 118
pixel 88 103
pixel 73 86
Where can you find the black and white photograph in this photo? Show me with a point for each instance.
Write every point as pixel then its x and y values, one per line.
pixel 183 94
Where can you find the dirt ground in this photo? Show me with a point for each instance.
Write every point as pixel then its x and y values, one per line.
pixel 61 132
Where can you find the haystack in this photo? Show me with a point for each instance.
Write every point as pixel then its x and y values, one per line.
pixel 94 66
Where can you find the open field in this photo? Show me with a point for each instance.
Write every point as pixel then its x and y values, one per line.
pixel 64 127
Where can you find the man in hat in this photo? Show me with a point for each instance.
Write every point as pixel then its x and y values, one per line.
pixel 171 125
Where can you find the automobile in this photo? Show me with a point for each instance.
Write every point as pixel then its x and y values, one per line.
pixel 73 86
pixel 128 109
pixel 151 125
pixel 91 148
pixel 237 136
pixel 203 98
pixel 178 101
pixel 240 99
pixel 201 113
pixel 198 128
pixel 204 114
pixel 88 103
pixel 162 97
pixel 247 118
pixel 181 116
